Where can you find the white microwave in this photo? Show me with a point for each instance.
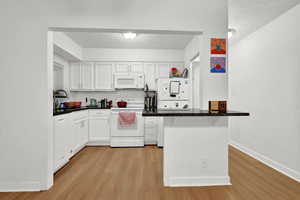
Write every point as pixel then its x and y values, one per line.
pixel 129 80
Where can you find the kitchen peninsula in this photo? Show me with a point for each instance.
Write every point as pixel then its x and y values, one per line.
pixel 195 147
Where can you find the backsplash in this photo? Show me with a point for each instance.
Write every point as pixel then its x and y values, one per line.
pixel 126 95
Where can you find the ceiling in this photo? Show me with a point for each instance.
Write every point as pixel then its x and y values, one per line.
pixel 142 41
pixel 246 16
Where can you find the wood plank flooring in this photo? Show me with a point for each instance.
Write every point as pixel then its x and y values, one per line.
pixel 104 173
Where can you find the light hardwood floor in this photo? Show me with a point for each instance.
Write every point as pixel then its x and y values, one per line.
pixel 105 173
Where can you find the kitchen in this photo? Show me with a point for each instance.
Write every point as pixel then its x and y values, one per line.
pixel 100 85
pixel 67 72
pixel 127 90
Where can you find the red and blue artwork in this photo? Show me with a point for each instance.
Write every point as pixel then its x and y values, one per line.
pixel 217 64
pixel 218 46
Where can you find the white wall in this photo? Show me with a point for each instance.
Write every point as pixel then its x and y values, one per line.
pixel 63 62
pixel 191 49
pixel 66 47
pixel 26 127
pixel 211 86
pixel 148 55
pixel 264 80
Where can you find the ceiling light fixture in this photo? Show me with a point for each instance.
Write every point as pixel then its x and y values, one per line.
pixel 129 35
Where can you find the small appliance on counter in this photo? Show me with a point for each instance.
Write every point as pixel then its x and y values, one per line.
pixel 93 102
pixel 105 104
pixel 150 101
pixel 217 106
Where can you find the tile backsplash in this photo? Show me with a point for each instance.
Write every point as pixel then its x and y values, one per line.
pixel 126 95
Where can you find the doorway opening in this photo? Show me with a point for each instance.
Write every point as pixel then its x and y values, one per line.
pixel 83 62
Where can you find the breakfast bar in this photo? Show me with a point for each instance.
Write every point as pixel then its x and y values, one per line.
pixel 195 147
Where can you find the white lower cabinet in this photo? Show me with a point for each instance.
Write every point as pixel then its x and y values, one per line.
pixel 160 131
pixel 74 131
pixel 80 130
pixel 99 127
pixel 62 142
pixel 151 130
pixel 154 131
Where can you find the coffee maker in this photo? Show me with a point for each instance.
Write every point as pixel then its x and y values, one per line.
pixel 150 101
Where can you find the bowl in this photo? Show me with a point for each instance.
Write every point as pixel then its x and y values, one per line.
pixel 122 104
pixel 72 104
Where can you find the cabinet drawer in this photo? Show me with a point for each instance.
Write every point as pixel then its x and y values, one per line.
pixel 61 118
pixel 99 113
pixel 79 115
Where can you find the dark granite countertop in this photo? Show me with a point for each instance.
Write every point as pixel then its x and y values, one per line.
pixel 192 112
pixel 70 110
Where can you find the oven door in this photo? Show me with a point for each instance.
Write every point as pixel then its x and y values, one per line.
pixel 125 81
pixel 135 130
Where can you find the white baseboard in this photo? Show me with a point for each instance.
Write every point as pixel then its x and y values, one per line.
pixel 197 181
pixel 25 186
pixel 98 143
pixel 267 161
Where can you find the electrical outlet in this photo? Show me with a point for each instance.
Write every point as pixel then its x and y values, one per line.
pixel 204 163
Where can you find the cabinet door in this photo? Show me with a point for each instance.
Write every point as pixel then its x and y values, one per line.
pixel 87 75
pixel 99 130
pixel 163 70
pixel 62 145
pixel 76 136
pixel 137 67
pixel 122 67
pixel 75 76
pixel 160 131
pixel 104 76
pixel 150 75
pixel 151 129
pixel 84 132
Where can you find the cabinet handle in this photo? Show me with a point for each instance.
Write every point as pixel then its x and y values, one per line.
pixel 60 120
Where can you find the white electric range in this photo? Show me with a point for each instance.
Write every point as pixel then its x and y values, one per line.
pixel 127 136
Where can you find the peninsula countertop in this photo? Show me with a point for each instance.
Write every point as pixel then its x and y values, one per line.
pixel 191 112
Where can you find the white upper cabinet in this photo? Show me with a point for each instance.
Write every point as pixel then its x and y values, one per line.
pixel 150 75
pixel 99 76
pixel 75 76
pixel 122 67
pixel 137 67
pixel 104 76
pixel 127 67
pixel 87 76
pixel 81 76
